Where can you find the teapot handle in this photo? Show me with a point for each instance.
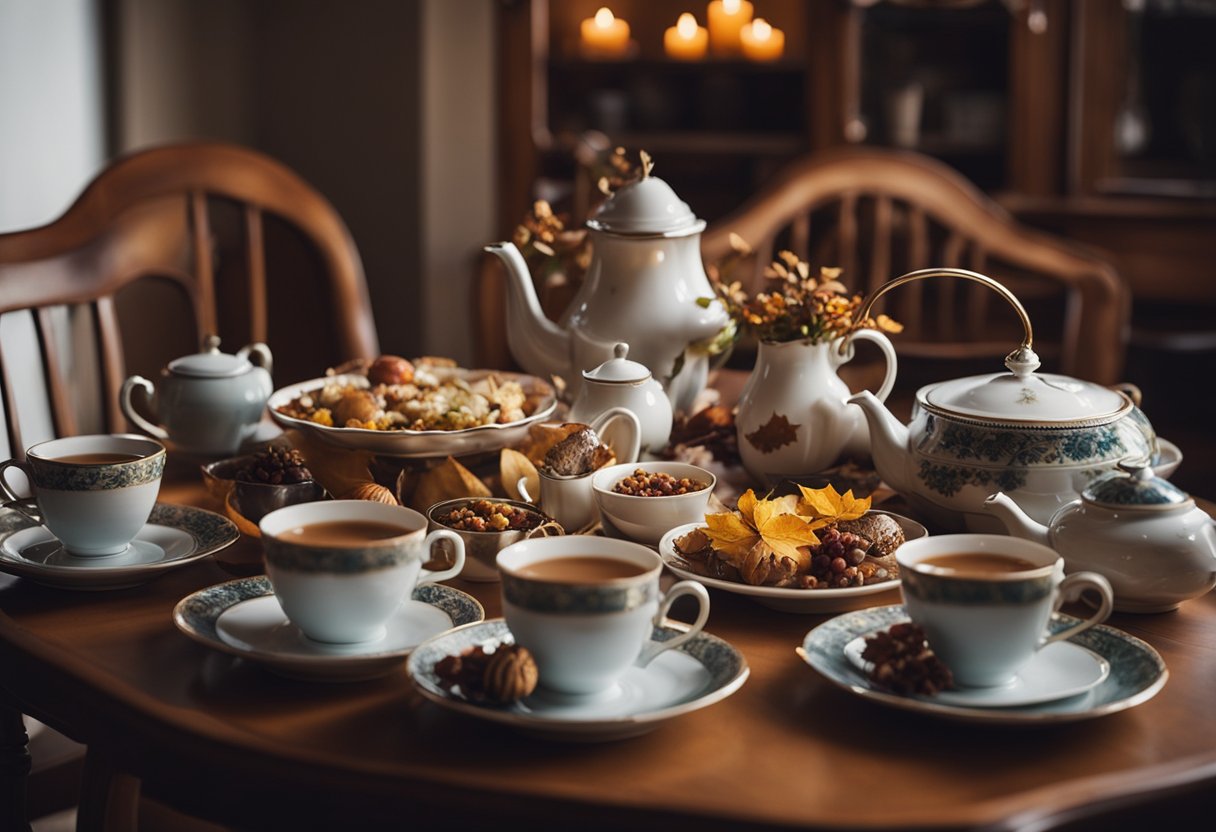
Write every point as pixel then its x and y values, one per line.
pixel 888 354
pixel 1021 362
pixel 259 355
pixel 124 400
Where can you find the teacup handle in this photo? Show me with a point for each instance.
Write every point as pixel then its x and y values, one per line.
pixel 522 488
pixel 25 505
pixel 124 399
pixel 633 431
pixel 426 576
pixel 653 648
pixel 1070 589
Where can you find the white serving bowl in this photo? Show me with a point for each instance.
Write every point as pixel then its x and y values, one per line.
pixel 647 519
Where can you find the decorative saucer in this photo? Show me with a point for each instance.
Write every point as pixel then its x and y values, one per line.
pixel 700 672
pixel 787 599
pixel 173 536
pixel 243 618
pixel 1058 671
pixel 1135 673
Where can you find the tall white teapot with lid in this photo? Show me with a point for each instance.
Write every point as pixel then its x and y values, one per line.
pixel 208 403
pixel 642 288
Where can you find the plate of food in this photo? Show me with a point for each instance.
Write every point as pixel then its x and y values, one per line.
pixel 819 553
pixel 420 410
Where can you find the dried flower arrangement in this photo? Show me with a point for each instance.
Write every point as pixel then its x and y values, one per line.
pixel 555 248
pixel 799 306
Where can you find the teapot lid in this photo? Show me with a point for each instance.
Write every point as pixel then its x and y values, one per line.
pixel 1022 397
pixel 619 369
pixel 210 363
pixel 647 207
pixel 1134 486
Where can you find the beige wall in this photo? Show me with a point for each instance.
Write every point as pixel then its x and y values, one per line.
pixel 383 105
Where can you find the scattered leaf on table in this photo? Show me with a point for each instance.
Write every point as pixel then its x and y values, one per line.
pixel 776 433
pixel 446 481
pixel 514 466
pixel 339 470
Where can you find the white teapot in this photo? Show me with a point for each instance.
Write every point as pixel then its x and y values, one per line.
pixel 642 286
pixel 209 403
pixel 619 382
pixel 1150 540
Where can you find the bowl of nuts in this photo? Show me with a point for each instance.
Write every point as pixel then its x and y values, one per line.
pixel 486 524
pixel 644 500
pixel 271 479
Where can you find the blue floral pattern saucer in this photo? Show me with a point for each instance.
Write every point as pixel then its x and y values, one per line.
pixel 696 674
pixel 244 619
pixel 1137 672
pixel 173 537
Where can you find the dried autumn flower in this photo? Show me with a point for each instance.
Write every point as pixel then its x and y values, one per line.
pixel 799 306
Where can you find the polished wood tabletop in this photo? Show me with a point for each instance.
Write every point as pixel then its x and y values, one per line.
pixel 229 741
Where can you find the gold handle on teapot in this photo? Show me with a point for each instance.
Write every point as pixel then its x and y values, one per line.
pixel 1020 362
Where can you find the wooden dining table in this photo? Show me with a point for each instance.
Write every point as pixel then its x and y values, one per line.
pixel 228 741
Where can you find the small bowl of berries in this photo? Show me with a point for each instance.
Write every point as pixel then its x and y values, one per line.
pixel 486 524
pixel 643 500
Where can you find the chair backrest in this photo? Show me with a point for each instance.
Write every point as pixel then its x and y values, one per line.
pixel 880 213
pixel 163 247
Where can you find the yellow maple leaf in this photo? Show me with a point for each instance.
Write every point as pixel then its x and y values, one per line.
pixel 825 505
pixel 773 522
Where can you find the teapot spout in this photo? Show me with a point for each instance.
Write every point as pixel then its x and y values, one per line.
pixel 888 442
pixel 540 346
pixel 1016 521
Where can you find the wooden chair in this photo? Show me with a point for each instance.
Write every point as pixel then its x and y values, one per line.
pixel 164 246
pixel 880 213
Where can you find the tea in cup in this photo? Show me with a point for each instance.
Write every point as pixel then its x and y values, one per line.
pixel 984 601
pixel 586 608
pixel 94 493
pixel 340 569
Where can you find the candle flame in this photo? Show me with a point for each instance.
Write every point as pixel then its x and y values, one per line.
pixel 761 30
pixel 604 18
pixel 686 26
pixel 730 6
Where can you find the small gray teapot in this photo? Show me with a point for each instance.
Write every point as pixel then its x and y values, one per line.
pixel 209 403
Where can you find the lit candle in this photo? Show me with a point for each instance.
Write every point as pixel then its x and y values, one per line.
pixel 761 42
pixel 604 36
pixel 726 19
pixel 686 41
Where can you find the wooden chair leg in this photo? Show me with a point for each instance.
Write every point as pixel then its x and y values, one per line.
pixel 14 769
pixel 109 799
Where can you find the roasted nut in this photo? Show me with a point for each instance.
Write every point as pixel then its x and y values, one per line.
pixel 643 483
pixel 373 492
pixel 275 466
pixel 510 675
pixel 904 662
pixel 390 369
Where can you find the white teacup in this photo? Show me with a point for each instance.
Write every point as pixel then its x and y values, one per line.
pixel 341 568
pixel 984 601
pixel 570 500
pixel 94 493
pixel 586 608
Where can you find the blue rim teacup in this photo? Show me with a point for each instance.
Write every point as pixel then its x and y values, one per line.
pixel 987 618
pixel 94 493
pixel 584 633
pixel 344 591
